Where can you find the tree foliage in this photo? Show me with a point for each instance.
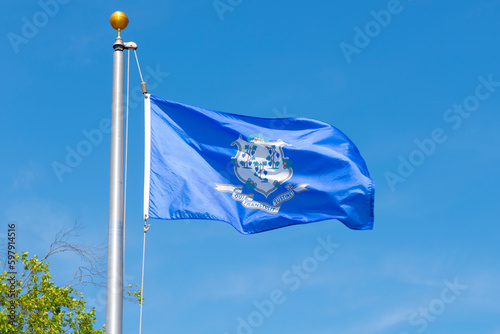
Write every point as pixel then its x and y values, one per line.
pixel 40 305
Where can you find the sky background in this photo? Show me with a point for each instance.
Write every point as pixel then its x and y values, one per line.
pixel 430 265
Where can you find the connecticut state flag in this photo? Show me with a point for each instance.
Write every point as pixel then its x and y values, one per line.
pixel 256 174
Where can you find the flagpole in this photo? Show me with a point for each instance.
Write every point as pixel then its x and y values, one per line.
pixel 114 289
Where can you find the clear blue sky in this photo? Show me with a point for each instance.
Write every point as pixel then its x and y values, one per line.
pixel 418 91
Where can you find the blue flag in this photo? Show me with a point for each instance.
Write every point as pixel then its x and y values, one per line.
pixel 256 174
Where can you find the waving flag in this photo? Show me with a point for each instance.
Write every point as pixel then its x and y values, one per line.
pixel 256 174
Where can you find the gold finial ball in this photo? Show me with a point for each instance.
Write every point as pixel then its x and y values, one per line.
pixel 118 20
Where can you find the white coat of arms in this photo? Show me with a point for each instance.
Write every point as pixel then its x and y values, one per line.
pixel 262 167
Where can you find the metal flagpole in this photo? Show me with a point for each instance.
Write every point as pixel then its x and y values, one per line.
pixel 114 290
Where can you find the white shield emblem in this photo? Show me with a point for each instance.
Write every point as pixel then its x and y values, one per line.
pixel 261 165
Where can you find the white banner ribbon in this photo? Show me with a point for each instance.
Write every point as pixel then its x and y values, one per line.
pixel 248 202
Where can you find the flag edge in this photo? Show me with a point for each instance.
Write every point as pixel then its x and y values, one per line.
pixel 147 152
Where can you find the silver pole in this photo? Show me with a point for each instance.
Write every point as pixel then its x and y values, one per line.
pixel 114 290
